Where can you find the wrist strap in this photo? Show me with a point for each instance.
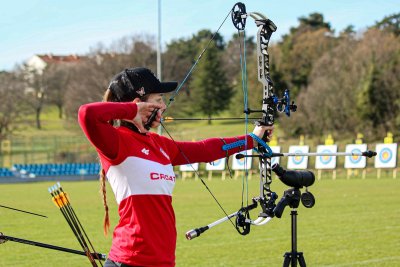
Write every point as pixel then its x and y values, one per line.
pixel 262 143
pixel 236 144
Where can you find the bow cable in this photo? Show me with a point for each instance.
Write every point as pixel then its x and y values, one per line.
pixel 243 67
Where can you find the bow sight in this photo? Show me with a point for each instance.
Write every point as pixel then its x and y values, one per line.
pixel 281 105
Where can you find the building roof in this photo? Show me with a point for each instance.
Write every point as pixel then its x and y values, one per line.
pixel 49 58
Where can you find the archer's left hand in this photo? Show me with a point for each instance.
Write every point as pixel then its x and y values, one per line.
pixel 260 130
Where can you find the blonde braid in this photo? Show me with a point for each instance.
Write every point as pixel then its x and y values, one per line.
pixel 106 222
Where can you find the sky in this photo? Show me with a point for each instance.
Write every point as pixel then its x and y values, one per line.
pixel 29 27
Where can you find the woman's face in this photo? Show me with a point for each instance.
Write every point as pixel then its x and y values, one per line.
pixel 157 98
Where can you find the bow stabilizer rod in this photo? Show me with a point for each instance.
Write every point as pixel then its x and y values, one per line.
pixel 241 222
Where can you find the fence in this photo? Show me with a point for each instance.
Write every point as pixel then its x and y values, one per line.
pixel 58 149
pixel 52 149
pixel 324 165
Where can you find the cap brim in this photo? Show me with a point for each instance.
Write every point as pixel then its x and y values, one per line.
pixel 166 87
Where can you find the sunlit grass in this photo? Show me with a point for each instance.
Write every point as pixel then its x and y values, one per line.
pixel 355 222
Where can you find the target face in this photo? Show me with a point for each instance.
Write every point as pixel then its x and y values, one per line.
pixel 355 162
pixel 298 162
pixel 189 167
pixel 355 159
pixel 217 165
pixel 386 155
pixel 243 163
pixel 297 159
pixel 275 149
pixel 325 161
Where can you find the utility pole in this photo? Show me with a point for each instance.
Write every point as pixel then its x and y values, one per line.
pixel 159 75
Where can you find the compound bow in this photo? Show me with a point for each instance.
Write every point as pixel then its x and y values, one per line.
pixel 271 104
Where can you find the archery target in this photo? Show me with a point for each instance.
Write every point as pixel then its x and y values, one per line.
pixel 216 165
pixel 243 163
pixel 189 167
pixel 298 162
pixel 275 149
pixel 326 162
pixel 355 162
pixel 386 155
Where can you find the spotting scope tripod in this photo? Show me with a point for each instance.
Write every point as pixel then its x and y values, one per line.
pixel 291 198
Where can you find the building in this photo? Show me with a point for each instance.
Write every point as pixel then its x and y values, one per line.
pixel 39 62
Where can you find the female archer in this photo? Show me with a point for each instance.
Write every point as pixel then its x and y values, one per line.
pixel 139 165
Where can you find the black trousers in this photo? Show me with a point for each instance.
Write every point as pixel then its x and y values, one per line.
pixel 110 263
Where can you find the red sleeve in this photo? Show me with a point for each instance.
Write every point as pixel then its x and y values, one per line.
pixel 94 120
pixel 206 150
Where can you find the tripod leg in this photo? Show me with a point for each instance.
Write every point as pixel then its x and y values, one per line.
pixel 301 259
pixel 287 260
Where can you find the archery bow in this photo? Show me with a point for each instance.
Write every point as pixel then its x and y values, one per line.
pixel 270 105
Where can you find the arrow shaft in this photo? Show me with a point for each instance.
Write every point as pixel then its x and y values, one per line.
pixel 98 256
pixel 295 154
pixel 24 211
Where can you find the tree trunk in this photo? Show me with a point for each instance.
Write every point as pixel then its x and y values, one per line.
pixel 38 125
pixel 60 112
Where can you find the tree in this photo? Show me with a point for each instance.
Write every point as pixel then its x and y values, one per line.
pixel 90 79
pixel 314 21
pixel 57 78
pixel 348 32
pixel 210 88
pixel 390 24
pixel 231 56
pixel 302 47
pixel 35 91
pixel 353 88
pixel 327 103
pixel 378 60
pixel 12 110
pixel 179 58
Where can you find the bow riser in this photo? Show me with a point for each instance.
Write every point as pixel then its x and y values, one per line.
pixel 263 36
pixel 265 29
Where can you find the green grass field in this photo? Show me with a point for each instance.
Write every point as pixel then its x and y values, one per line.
pixel 354 223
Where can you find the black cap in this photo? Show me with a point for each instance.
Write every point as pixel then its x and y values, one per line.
pixel 137 82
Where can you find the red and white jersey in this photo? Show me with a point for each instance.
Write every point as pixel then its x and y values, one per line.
pixel 139 168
